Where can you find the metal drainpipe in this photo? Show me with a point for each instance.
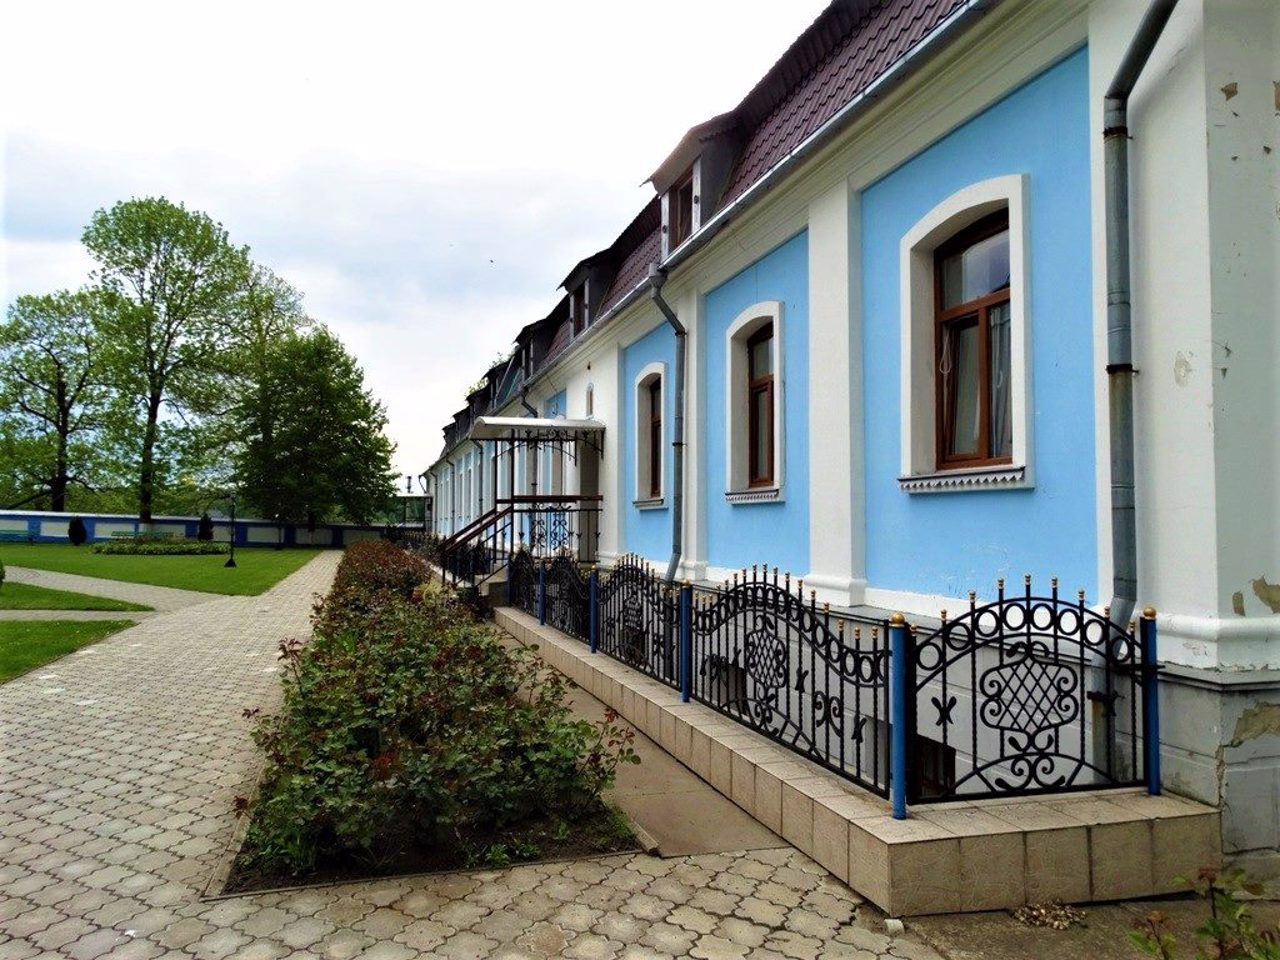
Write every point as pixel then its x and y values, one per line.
pixel 657 277
pixel 1124 536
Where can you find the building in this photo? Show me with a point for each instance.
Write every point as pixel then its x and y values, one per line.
pixel 899 284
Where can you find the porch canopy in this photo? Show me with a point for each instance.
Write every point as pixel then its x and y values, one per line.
pixel 537 430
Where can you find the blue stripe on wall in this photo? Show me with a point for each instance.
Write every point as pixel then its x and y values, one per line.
pixel 775 533
pixel 950 543
pixel 646 532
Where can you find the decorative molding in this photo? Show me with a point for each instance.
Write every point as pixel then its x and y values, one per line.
pixel 655 504
pixel 985 478
pixel 917 317
pixel 764 495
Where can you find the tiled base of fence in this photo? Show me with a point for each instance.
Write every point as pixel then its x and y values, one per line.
pixel 947 858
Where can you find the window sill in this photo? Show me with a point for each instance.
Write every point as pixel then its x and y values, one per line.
pixel 1002 477
pixel 657 503
pixel 756 495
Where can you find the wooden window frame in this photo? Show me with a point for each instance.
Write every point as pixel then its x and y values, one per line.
pixel 979 308
pixel 653 395
pixel 680 228
pixel 757 477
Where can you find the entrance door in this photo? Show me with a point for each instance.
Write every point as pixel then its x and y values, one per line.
pixel 588 486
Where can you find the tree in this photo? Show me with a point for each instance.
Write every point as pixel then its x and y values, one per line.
pixel 53 393
pixel 169 279
pixel 316 449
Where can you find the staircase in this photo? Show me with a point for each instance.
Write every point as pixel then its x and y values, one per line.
pixel 544 525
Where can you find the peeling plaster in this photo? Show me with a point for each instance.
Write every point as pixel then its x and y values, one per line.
pixel 1231 89
pixel 1268 593
pixel 1237 603
pixel 1181 369
pixel 1258 721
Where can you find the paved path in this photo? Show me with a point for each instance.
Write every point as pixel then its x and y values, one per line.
pixel 118 765
pixel 159 598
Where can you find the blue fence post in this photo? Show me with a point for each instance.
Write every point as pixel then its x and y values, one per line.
pixel 593 610
pixel 1150 700
pixel 686 641
pixel 898 694
pixel 542 593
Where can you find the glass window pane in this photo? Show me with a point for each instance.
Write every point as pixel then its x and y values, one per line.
pixel 960 367
pixel 762 431
pixel 1001 406
pixel 976 271
pixel 762 357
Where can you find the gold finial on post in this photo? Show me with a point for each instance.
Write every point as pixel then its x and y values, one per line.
pixel 897 619
pixel 1148 613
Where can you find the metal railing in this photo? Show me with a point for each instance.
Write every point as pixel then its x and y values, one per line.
pixel 1025 694
pixel 543 525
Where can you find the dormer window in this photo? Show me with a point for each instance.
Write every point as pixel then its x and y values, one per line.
pixel 680 211
pixel 527 361
pixel 578 309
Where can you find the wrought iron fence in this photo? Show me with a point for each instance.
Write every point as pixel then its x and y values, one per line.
pixel 522 583
pixel 565 590
pixel 639 620
pixel 817 683
pixel 1025 694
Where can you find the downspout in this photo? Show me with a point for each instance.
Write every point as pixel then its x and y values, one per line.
pixel 1120 372
pixel 657 277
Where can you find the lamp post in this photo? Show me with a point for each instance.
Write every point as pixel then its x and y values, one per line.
pixel 231 560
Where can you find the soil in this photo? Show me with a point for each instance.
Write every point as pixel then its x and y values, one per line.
pixel 601 832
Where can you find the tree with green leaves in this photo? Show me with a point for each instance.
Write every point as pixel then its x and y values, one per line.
pixel 54 401
pixel 170 281
pixel 313 442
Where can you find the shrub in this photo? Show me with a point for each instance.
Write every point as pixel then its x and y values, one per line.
pixel 1 573
pixel 405 722
pixel 149 546
pixel 77 533
pixel 204 532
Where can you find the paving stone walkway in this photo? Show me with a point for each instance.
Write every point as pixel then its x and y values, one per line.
pixel 159 598
pixel 118 766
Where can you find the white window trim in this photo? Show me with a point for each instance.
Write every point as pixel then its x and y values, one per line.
pixel 737 485
pixel 640 440
pixel 919 468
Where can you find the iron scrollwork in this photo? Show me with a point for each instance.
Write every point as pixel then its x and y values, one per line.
pixel 1025 666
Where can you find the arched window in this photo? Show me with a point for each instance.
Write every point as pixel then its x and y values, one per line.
pixel 649 427
pixel 966 343
pixel 590 404
pixel 971 338
pixel 754 394
pixel 760 407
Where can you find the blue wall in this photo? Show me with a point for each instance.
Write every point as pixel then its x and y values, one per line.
pixel 646 532
pixel 951 542
pixel 745 533
pixel 553 407
pixel 102 527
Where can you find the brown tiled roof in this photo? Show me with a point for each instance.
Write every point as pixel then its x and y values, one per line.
pixel 634 268
pixel 869 48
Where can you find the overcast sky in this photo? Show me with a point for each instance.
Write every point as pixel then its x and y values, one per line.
pixel 425 173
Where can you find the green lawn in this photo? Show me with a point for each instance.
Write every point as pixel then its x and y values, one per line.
pixel 256 569
pixel 28 596
pixel 27 644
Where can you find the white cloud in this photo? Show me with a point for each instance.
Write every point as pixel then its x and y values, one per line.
pixel 379 156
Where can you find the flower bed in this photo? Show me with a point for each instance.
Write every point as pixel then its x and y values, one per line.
pixel 159 547
pixel 412 739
